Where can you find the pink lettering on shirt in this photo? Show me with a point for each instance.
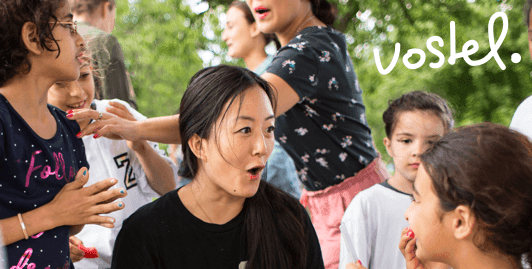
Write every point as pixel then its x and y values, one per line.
pixel 59 171
pixel 23 262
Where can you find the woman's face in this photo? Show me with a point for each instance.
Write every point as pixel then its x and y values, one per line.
pixel 66 66
pixel 433 234
pixel 413 134
pixel 74 94
pixel 234 155
pixel 274 16
pixel 237 34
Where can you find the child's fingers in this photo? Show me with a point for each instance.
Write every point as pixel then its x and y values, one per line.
pixel 76 254
pixel 83 114
pixel 101 186
pixel 107 222
pixel 409 250
pixel 82 177
pixel 122 113
pixel 118 105
pixel 108 208
pixel 404 240
pixel 106 197
pixel 74 240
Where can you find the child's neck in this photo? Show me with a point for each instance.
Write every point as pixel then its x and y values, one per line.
pixel 400 183
pixel 29 97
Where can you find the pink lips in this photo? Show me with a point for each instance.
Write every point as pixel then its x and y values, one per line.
pixel 415 165
pixel 261 15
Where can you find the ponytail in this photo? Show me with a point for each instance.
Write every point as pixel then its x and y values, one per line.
pixel 277 236
pixel 324 11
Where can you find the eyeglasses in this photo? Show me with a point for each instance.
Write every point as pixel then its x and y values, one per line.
pixel 72 25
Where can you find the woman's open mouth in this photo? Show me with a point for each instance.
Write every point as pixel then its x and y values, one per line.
pixel 262 12
pixel 255 172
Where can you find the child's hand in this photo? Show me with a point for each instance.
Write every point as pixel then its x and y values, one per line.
pixel 76 254
pixel 407 247
pixel 358 265
pixel 120 110
pixel 76 204
pixel 108 125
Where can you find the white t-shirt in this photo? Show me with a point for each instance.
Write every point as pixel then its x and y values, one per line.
pixel 374 220
pixel 113 159
pixel 522 120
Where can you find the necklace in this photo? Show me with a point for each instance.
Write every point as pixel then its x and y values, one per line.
pixel 301 25
pixel 210 221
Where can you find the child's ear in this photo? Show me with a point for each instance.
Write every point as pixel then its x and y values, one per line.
pixel 30 38
pixel 388 144
pixel 463 221
pixel 196 143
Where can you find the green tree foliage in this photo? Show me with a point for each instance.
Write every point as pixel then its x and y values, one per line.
pixel 160 39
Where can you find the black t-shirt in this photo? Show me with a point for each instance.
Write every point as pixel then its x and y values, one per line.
pixel 32 171
pixel 164 234
pixel 326 132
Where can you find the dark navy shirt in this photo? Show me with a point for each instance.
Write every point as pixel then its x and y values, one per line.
pixel 326 132
pixel 32 171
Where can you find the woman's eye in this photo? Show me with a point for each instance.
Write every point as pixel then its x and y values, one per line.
pixel 84 76
pixel 271 129
pixel 245 130
pixel 431 142
pixel 406 141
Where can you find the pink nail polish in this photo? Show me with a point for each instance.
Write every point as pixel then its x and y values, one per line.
pixel 69 115
pixel 70 111
pixel 78 135
pixel 410 234
pixel 359 262
pixel 96 136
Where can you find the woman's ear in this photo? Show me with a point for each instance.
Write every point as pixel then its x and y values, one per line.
pixel 30 38
pixel 196 143
pixel 254 30
pixel 463 221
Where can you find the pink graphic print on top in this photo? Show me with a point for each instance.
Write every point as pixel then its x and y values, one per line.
pixel 47 169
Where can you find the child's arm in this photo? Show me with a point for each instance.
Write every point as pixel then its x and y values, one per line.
pixel 160 129
pixel 158 171
pixel 73 205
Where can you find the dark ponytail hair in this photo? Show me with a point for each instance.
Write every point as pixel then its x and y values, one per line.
pixel 271 37
pixel 13 15
pixel 324 11
pixel 274 222
pixel 488 168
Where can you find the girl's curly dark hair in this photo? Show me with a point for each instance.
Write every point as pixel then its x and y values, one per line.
pixel 13 15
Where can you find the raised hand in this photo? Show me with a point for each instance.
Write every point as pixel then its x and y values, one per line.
pixel 108 125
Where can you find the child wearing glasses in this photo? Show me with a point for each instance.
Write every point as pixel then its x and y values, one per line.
pixel 42 164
